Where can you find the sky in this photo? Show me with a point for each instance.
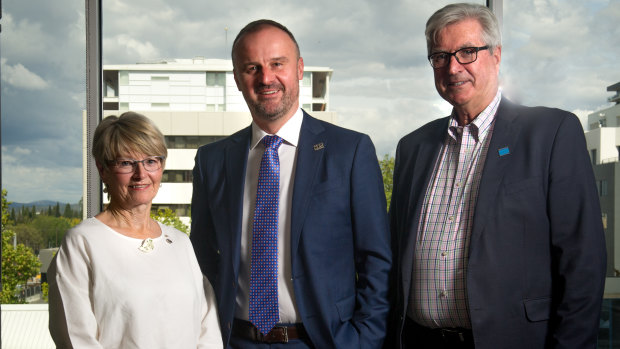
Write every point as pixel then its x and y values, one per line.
pixel 557 53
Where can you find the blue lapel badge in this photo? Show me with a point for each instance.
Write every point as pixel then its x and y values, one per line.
pixel 319 146
pixel 503 151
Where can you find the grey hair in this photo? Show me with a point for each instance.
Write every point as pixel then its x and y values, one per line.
pixel 454 13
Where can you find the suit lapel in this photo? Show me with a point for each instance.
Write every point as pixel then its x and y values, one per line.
pixel 503 141
pixel 308 160
pixel 422 161
pixel 236 162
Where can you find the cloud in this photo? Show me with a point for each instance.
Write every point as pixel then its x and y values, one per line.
pixel 27 180
pixel 583 117
pixel 20 77
pixel 140 51
pixel 560 54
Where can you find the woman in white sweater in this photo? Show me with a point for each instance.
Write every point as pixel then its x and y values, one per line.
pixel 122 279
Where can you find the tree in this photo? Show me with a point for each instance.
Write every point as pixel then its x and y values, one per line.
pixel 57 210
pixel 68 212
pixel 169 217
pixel 24 215
pixel 387 170
pixel 80 211
pixel 52 228
pixel 30 236
pixel 18 262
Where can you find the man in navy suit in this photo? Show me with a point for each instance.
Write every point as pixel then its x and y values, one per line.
pixel 333 241
pixel 497 231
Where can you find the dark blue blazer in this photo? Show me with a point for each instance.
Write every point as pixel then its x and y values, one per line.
pixel 537 257
pixel 340 241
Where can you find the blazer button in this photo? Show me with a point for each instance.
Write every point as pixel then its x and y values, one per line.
pixel 218 251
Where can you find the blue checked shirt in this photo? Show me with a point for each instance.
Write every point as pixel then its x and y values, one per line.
pixel 439 294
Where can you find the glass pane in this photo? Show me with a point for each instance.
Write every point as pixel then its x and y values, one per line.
pixel 358 78
pixel 564 54
pixel 307 80
pixel 43 99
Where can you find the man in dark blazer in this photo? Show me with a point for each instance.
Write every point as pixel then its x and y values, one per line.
pixel 334 254
pixel 497 231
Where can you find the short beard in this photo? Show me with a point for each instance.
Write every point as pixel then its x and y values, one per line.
pixel 261 111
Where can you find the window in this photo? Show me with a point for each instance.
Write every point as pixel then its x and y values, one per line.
pixel 123 78
pixel 177 176
pixel 543 63
pixel 180 210
pixel 189 142
pixel 216 79
pixel 593 156
pixel 307 80
pixel 602 187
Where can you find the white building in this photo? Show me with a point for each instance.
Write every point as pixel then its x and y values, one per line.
pixel 603 141
pixel 194 102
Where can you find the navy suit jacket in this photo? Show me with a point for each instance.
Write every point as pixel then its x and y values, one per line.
pixel 340 241
pixel 537 257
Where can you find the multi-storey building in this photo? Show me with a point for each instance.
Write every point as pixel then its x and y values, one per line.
pixel 603 139
pixel 194 102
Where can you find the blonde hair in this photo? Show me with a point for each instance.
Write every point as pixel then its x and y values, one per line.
pixel 129 133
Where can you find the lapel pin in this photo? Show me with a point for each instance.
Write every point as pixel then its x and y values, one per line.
pixel 319 146
pixel 503 151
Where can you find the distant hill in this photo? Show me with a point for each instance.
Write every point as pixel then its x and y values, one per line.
pixel 42 205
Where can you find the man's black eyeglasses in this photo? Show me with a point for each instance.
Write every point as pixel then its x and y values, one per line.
pixel 465 55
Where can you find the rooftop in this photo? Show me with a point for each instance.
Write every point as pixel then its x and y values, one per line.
pixel 191 64
pixel 25 326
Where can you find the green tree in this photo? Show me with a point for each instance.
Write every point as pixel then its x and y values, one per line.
pixel 30 236
pixel 24 215
pixel 18 262
pixel 52 228
pixel 68 212
pixel 169 217
pixel 57 210
pixel 13 217
pixel 80 204
pixel 45 290
pixel 387 170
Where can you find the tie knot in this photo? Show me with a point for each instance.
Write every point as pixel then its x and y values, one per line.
pixel 272 142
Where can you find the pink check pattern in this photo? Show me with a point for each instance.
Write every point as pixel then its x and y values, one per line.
pixel 264 310
pixel 439 292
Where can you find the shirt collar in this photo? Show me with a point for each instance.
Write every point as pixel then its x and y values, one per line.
pixel 289 132
pixel 481 124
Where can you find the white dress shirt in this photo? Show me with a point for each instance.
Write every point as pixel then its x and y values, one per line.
pixel 288 158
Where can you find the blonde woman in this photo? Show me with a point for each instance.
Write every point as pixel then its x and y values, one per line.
pixel 122 279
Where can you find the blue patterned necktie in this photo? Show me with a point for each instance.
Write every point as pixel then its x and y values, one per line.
pixel 264 310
